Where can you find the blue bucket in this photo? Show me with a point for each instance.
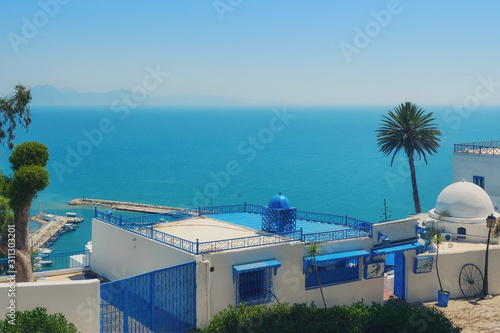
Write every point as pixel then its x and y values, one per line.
pixel 443 298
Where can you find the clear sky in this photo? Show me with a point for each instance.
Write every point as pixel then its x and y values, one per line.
pixel 293 52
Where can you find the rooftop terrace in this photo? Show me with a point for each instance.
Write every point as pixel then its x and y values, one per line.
pixel 485 147
pixel 219 228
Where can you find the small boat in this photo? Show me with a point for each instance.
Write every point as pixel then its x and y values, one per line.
pixel 45 262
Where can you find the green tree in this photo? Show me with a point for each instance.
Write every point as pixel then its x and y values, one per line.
pixel 28 161
pixel 313 250
pixel 410 129
pixel 14 110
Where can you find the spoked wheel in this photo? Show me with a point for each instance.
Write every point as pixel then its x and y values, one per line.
pixel 470 281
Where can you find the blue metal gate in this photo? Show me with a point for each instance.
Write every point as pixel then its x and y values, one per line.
pixel 399 274
pixel 158 301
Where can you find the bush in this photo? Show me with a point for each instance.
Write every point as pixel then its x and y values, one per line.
pixel 37 321
pixel 393 316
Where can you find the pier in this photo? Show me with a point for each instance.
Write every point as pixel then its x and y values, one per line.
pixel 121 205
pixel 51 225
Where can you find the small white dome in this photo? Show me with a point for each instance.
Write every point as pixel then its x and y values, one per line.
pixel 464 200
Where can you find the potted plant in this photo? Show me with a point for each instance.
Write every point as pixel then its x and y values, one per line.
pixel 443 295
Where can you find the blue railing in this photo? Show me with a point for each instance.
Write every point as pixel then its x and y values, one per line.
pixel 239 243
pixel 197 247
pixel 485 147
pixel 144 225
pixel 221 209
pixel 245 208
pixel 328 236
pixel 52 261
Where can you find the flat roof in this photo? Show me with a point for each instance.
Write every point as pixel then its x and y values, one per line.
pixel 214 227
pixel 206 229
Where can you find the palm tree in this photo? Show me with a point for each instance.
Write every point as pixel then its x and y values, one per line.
pixel 313 250
pixel 437 239
pixel 408 128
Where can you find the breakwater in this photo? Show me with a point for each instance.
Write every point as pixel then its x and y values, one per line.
pixel 121 205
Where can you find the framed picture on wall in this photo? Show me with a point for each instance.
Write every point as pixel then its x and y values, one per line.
pixel 423 264
pixel 374 269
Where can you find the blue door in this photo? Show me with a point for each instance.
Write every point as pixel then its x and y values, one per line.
pixel 399 275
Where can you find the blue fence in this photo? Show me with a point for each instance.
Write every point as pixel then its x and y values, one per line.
pixel 485 147
pixel 53 261
pixel 158 301
pixel 245 208
pixel 238 243
pixel 328 236
pixel 144 225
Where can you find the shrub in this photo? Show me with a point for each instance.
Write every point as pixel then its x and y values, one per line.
pixel 393 316
pixel 37 321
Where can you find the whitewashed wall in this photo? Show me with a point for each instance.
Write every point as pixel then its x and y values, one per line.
pixel 399 229
pixel 79 301
pixel 450 264
pixel 289 283
pixel 466 165
pixel 116 255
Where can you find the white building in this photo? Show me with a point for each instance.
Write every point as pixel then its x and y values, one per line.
pixel 175 271
pixel 479 163
pixel 461 210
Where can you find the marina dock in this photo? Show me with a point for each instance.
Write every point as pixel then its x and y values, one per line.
pixel 52 226
pixel 121 205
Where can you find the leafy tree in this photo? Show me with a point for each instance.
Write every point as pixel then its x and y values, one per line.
pixel 28 161
pixel 14 109
pixel 313 250
pixel 410 129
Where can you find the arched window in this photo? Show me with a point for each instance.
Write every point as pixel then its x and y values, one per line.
pixel 461 231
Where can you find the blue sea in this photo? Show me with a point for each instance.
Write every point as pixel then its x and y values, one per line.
pixel 324 159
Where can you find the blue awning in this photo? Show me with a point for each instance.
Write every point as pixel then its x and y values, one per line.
pixel 256 266
pixel 396 248
pixel 326 258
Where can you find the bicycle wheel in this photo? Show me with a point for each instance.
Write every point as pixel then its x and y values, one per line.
pixel 470 281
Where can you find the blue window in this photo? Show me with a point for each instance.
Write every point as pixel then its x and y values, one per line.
pixel 479 181
pixel 333 268
pixel 254 282
pixel 461 231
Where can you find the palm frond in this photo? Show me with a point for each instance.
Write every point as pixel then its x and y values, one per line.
pixel 408 128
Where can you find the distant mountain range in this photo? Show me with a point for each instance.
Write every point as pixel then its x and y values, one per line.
pixel 49 95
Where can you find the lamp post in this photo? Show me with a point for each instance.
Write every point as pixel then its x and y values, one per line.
pixel 490 223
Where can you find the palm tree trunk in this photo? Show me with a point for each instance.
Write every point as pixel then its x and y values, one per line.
pixel 319 282
pixel 437 269
pixel 416 199
pixel 24 272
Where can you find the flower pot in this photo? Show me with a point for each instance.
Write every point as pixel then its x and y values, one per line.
pixel 443 298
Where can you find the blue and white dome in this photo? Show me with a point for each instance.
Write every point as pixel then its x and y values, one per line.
pixel 279 202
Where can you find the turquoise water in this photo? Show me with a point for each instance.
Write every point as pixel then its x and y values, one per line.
pixel 324 159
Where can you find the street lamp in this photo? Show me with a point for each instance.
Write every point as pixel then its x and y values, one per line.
pixel 490 223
